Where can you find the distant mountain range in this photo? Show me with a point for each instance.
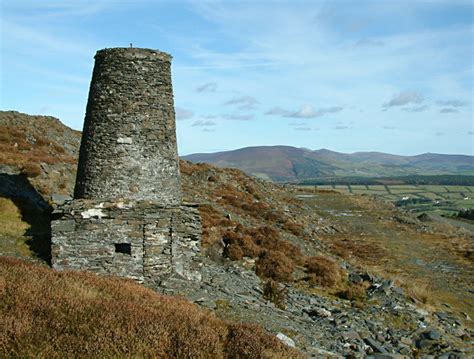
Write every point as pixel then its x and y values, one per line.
pixel 286 163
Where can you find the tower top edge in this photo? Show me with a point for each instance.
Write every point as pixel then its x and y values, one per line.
pixel 134 53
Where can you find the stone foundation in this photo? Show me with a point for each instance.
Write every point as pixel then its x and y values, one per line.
pixel 141 240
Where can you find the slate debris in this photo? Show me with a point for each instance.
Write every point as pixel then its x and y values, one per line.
pixel 327 326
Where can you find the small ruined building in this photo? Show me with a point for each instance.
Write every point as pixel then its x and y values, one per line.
pixel 127 217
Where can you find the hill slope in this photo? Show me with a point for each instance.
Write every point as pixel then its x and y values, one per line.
pixel 300 263
pixel 285 163
pixel 51 314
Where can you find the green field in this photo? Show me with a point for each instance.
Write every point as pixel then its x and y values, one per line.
pixel 419 198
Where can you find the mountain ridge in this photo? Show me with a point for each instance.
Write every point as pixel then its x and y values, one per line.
pixel 289 164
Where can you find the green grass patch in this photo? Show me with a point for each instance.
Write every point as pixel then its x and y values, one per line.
pixel 396 189
pixel 432 196
pixel 377 188
pixel 433 188
pixel 13 240
pixel 454 195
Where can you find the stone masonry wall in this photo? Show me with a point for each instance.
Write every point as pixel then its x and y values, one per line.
pixel 140 240
pixel 126 218
pixel 128 148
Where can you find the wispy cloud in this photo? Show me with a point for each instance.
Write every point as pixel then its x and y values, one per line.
pixel 298 124
pixel 341 127
pixel 451 103
pixel 183 114
pixel 243 102
pixel 201 123
pixel 306 111
pixel 404 98
pixel 448 110
pixel 238 117
pixel 50 9
pixel 42 40
pixel 416 108
pixel 278 111
pixel 302 129
pixel 207 87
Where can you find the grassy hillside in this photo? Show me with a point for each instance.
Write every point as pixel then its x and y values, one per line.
pixel 274 255
pixel 51 314
pixel 285 163
pixel 41 148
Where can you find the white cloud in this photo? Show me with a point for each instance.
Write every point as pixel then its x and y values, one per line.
pixel 278 111
pixel 448 110
pixel 201 123
pixel 452 103
pixel 243 102
pixel 305 111
pixel 416 108
pixel 238 117
pixel 404 98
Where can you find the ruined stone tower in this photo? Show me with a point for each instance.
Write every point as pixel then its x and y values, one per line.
pixel 128 147
pixel 127 217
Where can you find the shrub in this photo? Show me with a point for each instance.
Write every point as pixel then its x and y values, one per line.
pixel 275 293
pixel 249 188
pixel 234 239
pixel 324 271
pixel 212 178
pixel 189 168
pixel 355 292
pixel 31 170
pixel 420 291
pixel 209 215
pixel 274 265
pixel 234 252
pixel 346 248
pixel 269 238
pixel 293 228
pixel 250 341
pixel 41 141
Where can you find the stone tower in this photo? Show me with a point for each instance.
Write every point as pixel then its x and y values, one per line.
pixel 128 147
pixel 127 217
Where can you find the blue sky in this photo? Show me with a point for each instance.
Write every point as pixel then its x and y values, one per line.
pixel 390 76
